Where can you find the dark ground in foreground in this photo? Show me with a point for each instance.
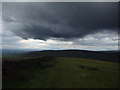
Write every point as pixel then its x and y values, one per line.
pixel 60 72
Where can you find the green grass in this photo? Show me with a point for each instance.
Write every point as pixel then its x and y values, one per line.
pixel 66 73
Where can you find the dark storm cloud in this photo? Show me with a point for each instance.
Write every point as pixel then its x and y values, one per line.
pixel 60 20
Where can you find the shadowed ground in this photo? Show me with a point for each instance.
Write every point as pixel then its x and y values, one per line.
pixel 66 73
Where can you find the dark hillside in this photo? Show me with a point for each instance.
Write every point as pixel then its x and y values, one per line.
pixel 99 55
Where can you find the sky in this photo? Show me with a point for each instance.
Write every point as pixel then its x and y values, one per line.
pixel 60 25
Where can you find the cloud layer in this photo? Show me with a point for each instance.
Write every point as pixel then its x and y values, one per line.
pixel 59 20
pixel 53 25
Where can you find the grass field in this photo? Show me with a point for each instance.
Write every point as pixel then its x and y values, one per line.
pixel 66 73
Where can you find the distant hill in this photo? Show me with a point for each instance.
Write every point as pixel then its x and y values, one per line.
pixel 112 56
pixel 15 52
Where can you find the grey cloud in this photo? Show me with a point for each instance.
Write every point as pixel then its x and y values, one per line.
pixel 60 20
pixel 99 39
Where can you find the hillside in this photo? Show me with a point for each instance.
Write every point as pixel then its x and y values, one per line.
pixel 61 69
pixel 99 55
pixel 60 72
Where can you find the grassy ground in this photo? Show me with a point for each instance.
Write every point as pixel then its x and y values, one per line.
pixel 66 73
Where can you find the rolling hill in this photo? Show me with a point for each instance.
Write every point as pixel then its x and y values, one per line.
pixel 112 56
pixel 61 69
